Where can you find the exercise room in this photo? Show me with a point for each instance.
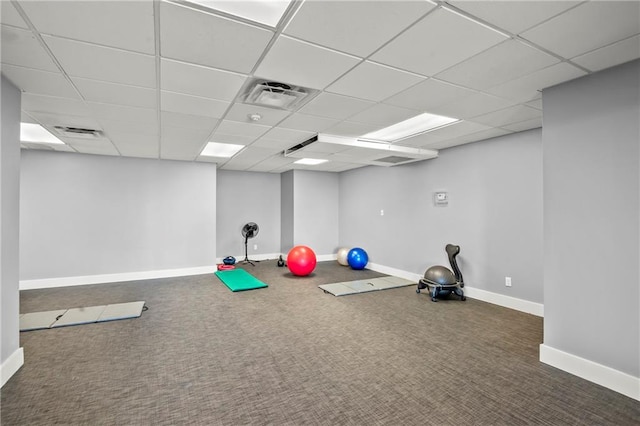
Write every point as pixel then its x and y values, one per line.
pixel 319 212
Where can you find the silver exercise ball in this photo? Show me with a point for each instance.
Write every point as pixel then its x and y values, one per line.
pixel 342 256
pixel 440 275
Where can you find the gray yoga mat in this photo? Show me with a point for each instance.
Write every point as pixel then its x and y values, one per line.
pixel 365 286
pixel 78 316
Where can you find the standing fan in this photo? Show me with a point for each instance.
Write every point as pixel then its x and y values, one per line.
pixel 249 230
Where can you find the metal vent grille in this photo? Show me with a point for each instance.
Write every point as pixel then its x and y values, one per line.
pixel 300 145
pixel 394 159
pixel 78 132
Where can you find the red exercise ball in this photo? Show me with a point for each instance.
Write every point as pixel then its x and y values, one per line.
pixel 301 261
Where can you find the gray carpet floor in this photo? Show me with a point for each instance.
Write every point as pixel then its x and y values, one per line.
pixel 292 355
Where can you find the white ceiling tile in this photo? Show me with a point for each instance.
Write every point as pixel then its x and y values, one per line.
pixel 331 105
pixel 93 21
pixel 194 105
pixel 241 112
pixel 456 130
pixel 98 146
pixel 136 144
pixel 178 143
pixel 40 82
pixel 354 26
pixel 143 116
pixel 429 94
pixel 514 16
pixel 474 137
pixel 20 47
pixel 580 29
pixel 529 87
pixel 199 80
pixel 250 156
pixel 374 82
pixel 350 128
pixel 54 105
pixel 188 121
pixel 507 61
pixel 504 117
pixel 382 115
pixel 307 123
pixel 296 62
pixel 112 93
pixel 438 41
pixel 103 63
pixel 202 38
pixel 112 127
pixel 50 120
pixel 282 138
pixel 236 128
pixel 534 123
pixel 272 163
pixel 609 56
pixel 537 103
pixel 10 16
pixel 471 106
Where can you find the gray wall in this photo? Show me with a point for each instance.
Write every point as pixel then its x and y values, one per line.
pixel 591 230
pixel 316 201
pixel 494 213
pixel 89 215
pixel 9 218
pixel 286 210
pixel 248 197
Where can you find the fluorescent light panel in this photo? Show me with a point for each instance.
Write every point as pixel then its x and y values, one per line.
pixel 412 127
pixel 310 161
pixel 266 12
pixel 226 150
pixel 30 132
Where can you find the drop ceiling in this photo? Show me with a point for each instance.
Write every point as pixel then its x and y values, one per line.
pixel 161 79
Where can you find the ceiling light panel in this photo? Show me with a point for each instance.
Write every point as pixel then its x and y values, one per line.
pixel 579 30
pixel 304 64
pixel 224 150
pixel 202 38
pixel 438 41
pixel 414 126
pixel 310 161
pixel 354 26
pixel 30 132
pixel 374 82
pixel 268 12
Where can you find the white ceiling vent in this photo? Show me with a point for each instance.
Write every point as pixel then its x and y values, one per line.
pixel 277 95
pixel 77 132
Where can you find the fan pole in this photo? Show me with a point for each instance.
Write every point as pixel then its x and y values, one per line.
pixel 246 253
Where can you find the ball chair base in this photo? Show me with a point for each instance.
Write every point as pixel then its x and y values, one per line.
pixel 441 290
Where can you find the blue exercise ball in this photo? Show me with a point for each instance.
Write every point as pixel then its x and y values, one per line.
pixel 357 258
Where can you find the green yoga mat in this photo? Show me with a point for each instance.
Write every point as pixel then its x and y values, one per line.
pixel 239 280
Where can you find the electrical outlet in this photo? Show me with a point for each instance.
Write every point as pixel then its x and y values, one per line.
pixel 255 247
pixel 507 281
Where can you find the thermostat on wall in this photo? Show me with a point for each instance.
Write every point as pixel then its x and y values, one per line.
pixel 440 198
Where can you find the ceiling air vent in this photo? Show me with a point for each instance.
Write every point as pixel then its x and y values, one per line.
pixel 78 132
pixel 277 95
pixel 300 145
pixel 394 159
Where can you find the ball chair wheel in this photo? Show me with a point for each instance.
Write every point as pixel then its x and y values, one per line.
pixel 463 298
pixel 418 290
pixel 433 299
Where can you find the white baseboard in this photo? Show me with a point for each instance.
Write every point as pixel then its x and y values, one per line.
pixel 265 256
pixel 11 365
pixel 395 272
pixel 521 305
pixel 112 278
pixel 597 373
pixel 474 293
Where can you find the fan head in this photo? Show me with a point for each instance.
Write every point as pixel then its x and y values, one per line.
pixel 250 230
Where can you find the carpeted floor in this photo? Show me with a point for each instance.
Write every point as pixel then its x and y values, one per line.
pixel 292 355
